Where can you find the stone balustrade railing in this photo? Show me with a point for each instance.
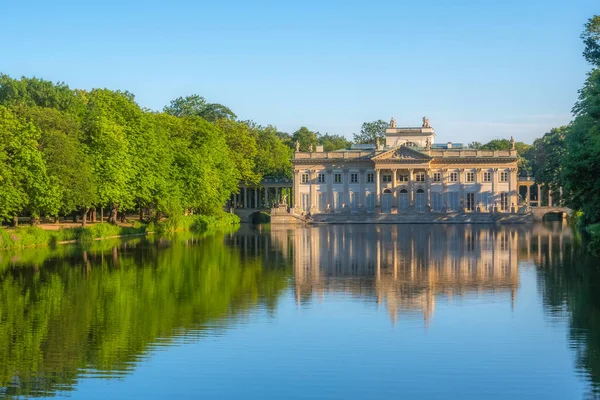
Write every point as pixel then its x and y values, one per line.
pixel 441 153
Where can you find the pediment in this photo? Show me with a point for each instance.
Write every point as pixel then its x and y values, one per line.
pixel 402 153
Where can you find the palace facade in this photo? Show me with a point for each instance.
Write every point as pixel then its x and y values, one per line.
pixel 410 174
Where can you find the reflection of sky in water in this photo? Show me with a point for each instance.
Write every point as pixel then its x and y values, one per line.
pixel 433 312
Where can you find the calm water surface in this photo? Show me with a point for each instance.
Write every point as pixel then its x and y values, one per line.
pixel 345 312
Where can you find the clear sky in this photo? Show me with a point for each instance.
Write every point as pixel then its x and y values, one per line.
pixel 479 69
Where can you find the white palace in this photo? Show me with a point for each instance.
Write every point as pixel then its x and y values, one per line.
pixel 410 174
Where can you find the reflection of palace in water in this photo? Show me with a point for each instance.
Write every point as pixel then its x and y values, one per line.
pixel 404 267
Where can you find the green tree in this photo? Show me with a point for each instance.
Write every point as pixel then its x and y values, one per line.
pixel 306 138
pixel 548 155
pixel 107 145
pixel 581 164
pixel 371 132
pixel 24 182
pixel 195 105
pixel 241 141
pixel 273 156
pixel 331 142
pixel 591 40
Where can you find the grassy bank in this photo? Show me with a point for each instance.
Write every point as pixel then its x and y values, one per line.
pixel 33 236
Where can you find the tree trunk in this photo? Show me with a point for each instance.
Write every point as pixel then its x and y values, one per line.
pixel 102 214
pixel 93 215
pixel 84 216
pixel 141 214
pixel 15 222
pixel 112 218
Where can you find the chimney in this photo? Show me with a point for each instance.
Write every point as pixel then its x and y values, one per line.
pixel 449 145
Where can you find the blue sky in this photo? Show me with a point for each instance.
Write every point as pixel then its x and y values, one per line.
pixel 477 69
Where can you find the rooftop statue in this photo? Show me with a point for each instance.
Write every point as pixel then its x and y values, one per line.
pixel 297 146
pixel 393 122
pixel 426 122
pixel 427 144
pixel 512 143
pixel 310 148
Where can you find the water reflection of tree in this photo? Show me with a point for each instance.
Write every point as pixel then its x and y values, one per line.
pixel 103 310
pixel 570 281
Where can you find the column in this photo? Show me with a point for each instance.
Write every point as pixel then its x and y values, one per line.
pixel 428 187
pixel 411 194
pixel 245 197
pixel 256 198
pixel 378 187
pixel 313 181
pixel 267 197
pixel 444 173
pixel 494 173
pixel 560 200
pixel 394 194
pixel 329 179
pixel 346 180
pixel 528 199
pixel 514 186
pixel 297 203
pixel 362 179
pixel 461 189
pixel 549 197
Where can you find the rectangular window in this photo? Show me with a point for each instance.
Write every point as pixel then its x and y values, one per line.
pixel 353 177
pixel 370 177
pixel 403 178
pixel 470 176
pixel 504 176
pixel 387 177
pixel 504 201
pixel 337 178
pixel 420 177
pixel 304 178
pixel 321 178
pixel 453 176
pixel 437 177
pixel 471 201
pixel 487 176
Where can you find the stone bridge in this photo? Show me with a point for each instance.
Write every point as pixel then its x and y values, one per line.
pixel 540 212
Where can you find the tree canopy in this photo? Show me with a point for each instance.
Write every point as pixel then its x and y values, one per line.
pixel 371 132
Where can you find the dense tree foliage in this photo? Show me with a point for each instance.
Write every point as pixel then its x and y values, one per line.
pixel 65 151
pixel 569 157
pixel 195 105
pixel 371 132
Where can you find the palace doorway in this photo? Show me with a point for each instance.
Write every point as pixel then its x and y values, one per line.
pixel 404 201
pixel 386 201
pixel 420 200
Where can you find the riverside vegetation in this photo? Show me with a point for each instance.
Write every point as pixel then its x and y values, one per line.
pixel 69 151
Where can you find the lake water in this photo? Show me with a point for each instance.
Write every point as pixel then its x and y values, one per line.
pixel 334 312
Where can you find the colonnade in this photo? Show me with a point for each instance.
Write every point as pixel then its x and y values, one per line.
pixel 259 197
pixel 528 183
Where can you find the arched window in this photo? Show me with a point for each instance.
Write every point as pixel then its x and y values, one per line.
pixel 387 191
pixel 404 191
pixel 410 144
pixel 420 191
